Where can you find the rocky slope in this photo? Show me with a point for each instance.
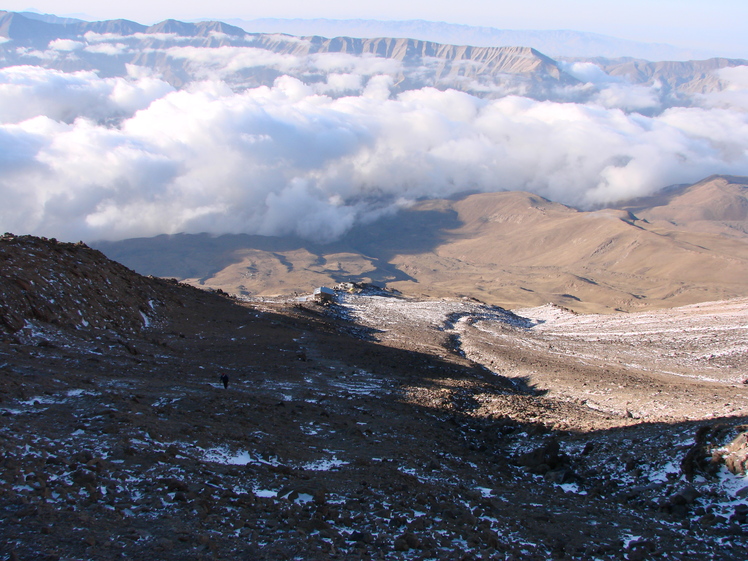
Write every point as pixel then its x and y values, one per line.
pixel 72 286
pixel 376 427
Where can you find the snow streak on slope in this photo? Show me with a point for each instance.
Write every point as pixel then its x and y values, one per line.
pixel 641 365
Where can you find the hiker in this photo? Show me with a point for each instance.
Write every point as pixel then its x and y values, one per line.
pixel 225 380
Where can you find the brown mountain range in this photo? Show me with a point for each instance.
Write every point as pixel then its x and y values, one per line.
pixel 513 249
pixel 483 71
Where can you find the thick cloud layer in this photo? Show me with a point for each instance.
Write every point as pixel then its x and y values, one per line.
pixel 83 157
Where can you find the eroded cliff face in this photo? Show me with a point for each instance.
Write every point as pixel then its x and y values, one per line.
pixel 687 77
pixel 427 63
pixel 178 52
pixel 412 52
pixel 171 49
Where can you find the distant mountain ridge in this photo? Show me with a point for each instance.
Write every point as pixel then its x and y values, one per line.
pixel 179 52
pixel 483 71
pixel 563 42
pixel 33 31
pixel 555 43
pixel 50 18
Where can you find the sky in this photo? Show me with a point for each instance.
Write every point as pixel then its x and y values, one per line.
pixel 715 25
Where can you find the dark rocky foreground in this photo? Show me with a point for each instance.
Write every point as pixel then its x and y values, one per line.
pixel 119 441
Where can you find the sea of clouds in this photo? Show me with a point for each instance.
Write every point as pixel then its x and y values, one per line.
pixel 93 158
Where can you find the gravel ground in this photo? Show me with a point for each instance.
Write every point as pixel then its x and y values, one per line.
pixel 667 365
pixel 372 428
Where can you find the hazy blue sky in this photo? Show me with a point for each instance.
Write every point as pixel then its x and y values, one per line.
pixel 701 24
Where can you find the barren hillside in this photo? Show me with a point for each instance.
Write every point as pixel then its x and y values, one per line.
pixel 513 249
pixel 374 427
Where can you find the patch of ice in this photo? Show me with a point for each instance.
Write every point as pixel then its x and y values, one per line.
pixel 572 488
pixel 485 491
pixel 265 493
pixel 628 539
pixel 325 465
pixel 79 393
pixel 39 399
pixel 731 483
pixel 223 456
pixel 160 402
pixel 661 475
pixel 226 457
pixel 309 429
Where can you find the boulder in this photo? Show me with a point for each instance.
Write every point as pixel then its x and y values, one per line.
pixel 734 455
pixel 544 459
pixel 685 496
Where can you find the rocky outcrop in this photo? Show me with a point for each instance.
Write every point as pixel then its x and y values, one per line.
pixel 735 454
pixel 43 281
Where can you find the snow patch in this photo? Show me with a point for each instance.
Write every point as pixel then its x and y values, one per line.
pixel 223 456
pixel 325 465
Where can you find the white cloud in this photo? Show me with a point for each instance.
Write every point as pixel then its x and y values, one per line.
pixel 378 87
pixel 30 91
pixel 611 91
pixel 35 53
pixel 587 72
pixel 735 94
pixel 83 157
pixel 221 62
pixel 366 65
pixel 110 49
pixel 65 45
pixel 340 83
pixel 630 97
pixel 735 76
pixel 281 38
pixel 93 37
pixel 225 60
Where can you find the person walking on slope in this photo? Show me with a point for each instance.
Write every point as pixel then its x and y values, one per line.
pixel 225 380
